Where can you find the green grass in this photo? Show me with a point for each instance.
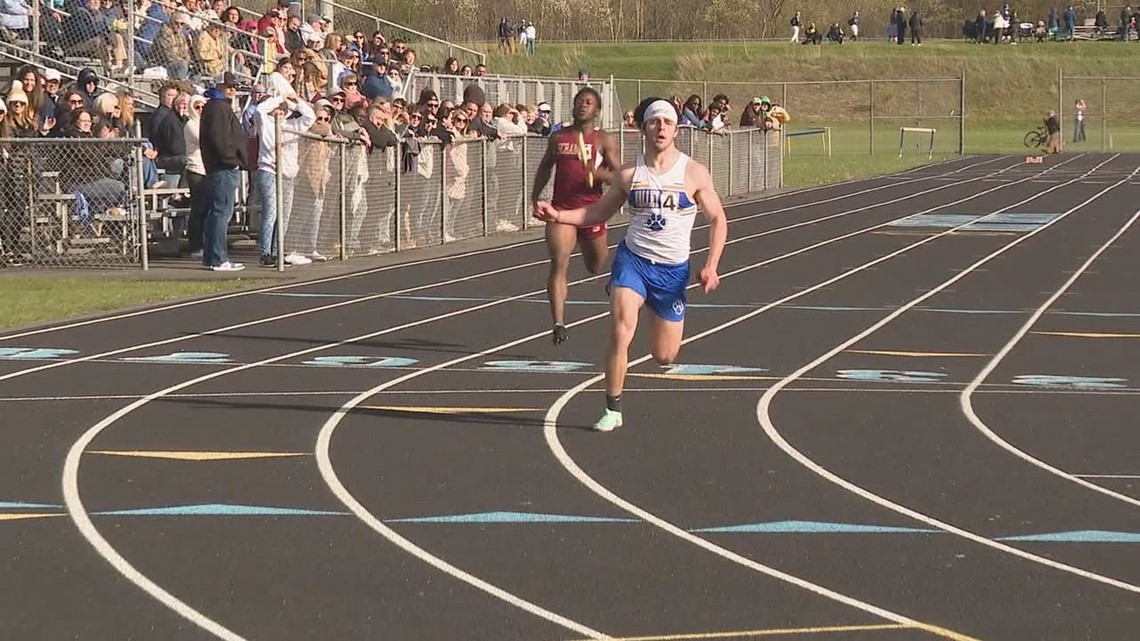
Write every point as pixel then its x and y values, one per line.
pixel 30 300
pixel 1008 91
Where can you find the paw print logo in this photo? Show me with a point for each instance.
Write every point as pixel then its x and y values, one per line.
pixel 656 221
pixel 678 307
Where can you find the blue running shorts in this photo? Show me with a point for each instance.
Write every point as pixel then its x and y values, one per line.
pixel 662 286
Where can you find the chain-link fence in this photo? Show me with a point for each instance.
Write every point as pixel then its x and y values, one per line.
pixel 67 202
pixel 831 117
pixel 516 90
pixel 1099 113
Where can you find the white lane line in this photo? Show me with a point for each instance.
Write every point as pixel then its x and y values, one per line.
pixel 440 259
pixel 78 512
pixel 763 413
pixel 956 389
pixel 79 515
pixel 966 402
pixel 1109 476
pixel 550 432
pixel 399 292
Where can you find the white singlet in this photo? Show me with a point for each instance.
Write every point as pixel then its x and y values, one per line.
pixel 661 213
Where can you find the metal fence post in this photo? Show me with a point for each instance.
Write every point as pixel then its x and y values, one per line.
pixel 442 194
pixel 279 197
pixel 1061 98
pixel 141 235
pixel 486 203
pixel 751 151
pixel 962 114
pixel 1103 113
pixel 398 186
pixel 871 119
pixel 343 241
pixel 730 157
pixel 525 196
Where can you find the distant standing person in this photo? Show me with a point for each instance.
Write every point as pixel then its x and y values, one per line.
pixel 797 22
pixel 1079 121
pixel 1053 126
pixel 224 155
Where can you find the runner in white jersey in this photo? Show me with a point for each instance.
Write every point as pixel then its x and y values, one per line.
pixel 663 189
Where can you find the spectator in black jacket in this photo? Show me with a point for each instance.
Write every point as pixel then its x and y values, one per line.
pixel 168 137
pixel 224 154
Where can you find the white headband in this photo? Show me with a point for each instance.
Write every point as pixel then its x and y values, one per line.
pixel 660 109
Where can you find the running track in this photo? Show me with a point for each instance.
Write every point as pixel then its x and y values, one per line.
pixel 906 414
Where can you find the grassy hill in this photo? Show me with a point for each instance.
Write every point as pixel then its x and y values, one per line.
pixel 1009 88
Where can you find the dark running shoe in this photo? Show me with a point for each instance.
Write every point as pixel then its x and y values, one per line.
pixel 560 334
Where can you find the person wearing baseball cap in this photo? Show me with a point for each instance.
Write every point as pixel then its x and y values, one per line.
pixel 663 188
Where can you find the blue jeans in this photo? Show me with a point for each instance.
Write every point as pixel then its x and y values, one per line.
pixel 267 192
pixel 221 194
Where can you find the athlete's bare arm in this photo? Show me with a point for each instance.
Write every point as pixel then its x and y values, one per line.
pixel 609 204
pixel 709 202
pixel 545 168
pixel 611 159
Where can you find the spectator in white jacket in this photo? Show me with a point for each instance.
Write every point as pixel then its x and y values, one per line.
pixel 195 175
pixel 14 16
pixel 296 117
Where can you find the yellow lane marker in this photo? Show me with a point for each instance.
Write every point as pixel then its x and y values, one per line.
pixel 886 352
pixel 704 377
pixel 1088 334
pixel 450 410
pixel 770 632
pixel 21 517
pixel 179 455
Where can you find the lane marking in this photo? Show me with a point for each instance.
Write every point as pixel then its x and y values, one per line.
pixel 428 409
pixel 550 431
pixel 1087 334
pixel 178 455
pixel 965 399
pixel 1108 476
pixel 219 509
pixel 23 516
pixel 882 352
pixel 951 388
pixel 479 252
pixel 763 412
pixel 1078 536
pixel 814 527
pixel 91 534
pixel 470 277
pixel 510 517
pixel 770 632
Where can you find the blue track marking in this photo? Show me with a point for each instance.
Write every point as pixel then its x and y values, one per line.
pixel 815 527
pixel 220 509
pixel 1079 536
pixel 511 517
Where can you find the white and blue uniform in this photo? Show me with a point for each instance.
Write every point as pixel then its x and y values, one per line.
pixel 653 258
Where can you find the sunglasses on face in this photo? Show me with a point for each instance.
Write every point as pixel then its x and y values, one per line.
pixel 324 119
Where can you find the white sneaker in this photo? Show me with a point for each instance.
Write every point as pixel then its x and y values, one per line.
pixel 609 421
pixel 197 254
pixel 228 267
pixel 297 259
pixel 317 256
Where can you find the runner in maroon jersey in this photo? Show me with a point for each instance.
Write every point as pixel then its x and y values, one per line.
pixel 583 158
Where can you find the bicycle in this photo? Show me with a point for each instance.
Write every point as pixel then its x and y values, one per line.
pixel 1036 138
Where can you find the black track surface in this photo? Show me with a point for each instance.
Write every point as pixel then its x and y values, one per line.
pixel 878 428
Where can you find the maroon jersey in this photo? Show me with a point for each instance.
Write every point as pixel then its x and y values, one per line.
pixel 574 166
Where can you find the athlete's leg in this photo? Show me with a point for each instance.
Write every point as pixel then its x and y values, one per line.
pixel 625 305
pixel 595 249
pixel 560 243
pixel 665 338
